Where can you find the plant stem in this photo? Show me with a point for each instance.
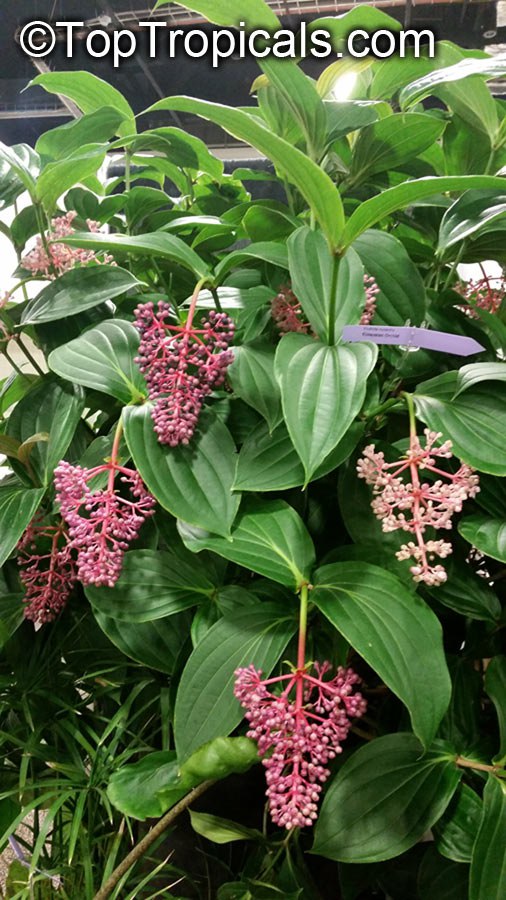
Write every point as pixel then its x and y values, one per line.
pixel 114 455
pixel 193 304
pixel 28 355
pixel 140 849
pixel 301 651
pixel 472 764
pixel 12 363
pixel 333 302
pixel 411 410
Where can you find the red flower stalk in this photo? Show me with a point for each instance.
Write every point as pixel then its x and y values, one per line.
pixel 416 505
pixel 101 523
pixel 53 259
pixel 47 570
pixel 486 293
pixel 182 365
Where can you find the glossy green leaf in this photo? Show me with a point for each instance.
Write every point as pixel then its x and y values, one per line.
pixel 471 212
pixel 134 788
pixel 103 359
pixel 77 290
pixel 153 584
pixel 475 421
pixel 57 177
pixel 392 141
pixel 195 482
pixel 349 115
pixel 402 195
pixel 455 833
pixel 222 831
pixel 154 644
pixel 322 391
pixel 219 758
pixel 313 183
pixel 269 462
pixel 272 253
pixel 251 376
pixel 159 244
pixel 300 96
pixel 205 704
pixel 18 506
pixel 467 594
pixel 466 68
pixel 395 632
pixel 13 165
pixel 487 535
pixel 495 686
pixel 96 127
pixel 384 799
pixel 89 93
pixel 53 408
pixel 441 879
pixel 11 613
pixel 269 538
pixel 488 868
pixel 402 291
pixel 475 373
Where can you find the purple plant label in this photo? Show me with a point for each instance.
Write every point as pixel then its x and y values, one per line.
pixel 411 337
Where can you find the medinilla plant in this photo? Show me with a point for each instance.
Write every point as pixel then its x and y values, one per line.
pixel 287 535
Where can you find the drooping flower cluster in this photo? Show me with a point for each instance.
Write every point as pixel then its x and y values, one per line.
pixel 487 293
pixel 288 314
pixel 53 259
pixel 46 569
pixel 182 365
pixel 101 523
pixel 416 505
pixel 297 738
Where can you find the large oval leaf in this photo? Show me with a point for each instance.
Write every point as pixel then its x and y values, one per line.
pixel 252 378
pixel 89 93
pixel 205 704
pixel 134 789
pixel 154 644
pixel 487 535
pixel 153 584
pixel 103 359
pixel 475 421
pixel 392 141
pixel 18 506
pixel 322 390
pixel 394 631
pixel 194 483
pixel 384 799
pixel 488 869
pixel 455 833
pixel 472 211
pixel 77 290
pixel 402 291
pixel 268 537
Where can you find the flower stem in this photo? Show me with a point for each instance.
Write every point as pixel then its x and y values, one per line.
pixel 115 455
pixel 332 302
pixel 193 304
pixel 301 651
pixel 411 410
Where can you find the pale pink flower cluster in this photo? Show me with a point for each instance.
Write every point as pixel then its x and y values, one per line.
pixel 58 258
pixel 487 293
pixel 47 570
pixel 371 293
pixel 298 737
pixel 416 505
pixel 101 523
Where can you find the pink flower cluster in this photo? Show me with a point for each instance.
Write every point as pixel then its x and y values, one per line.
pixel 297 738
pixel 101 523
pixel 58 258
pixel 486 293
pixel 47 570
pixel 288 314
pixel 182 366
pixel 416 505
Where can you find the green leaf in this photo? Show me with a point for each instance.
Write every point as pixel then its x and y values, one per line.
pixel 134 789
pixel 488 869
pixel 272 253
pixel 322 295
pixel 11 609
pixel 486 534
pixel 57 177
pixel 322 390
pixel 251 376
pixel 205 704
pixel 77 290
pixel 440 879
pixel 17 508
pixel 50 407
pixel 392 141
pixel 159 244
pixel 13 164
pixel 269 538
pixel 384 799
pixel 219 758
pixel 63 141
pixel 103 359
pixel 349 115
pixel 471 212
pixel 395 632
pixel 222 831
pixel 455 833
pixel 301 98
pixel 402 195
pixel 495 686
pixel 194 483
pixel 153 584
pixel 314 184
pixel 402 291
pixel 269 462
pixel 475 373
pixel 89 93
pixel 155 644
pixel 475 421
pixel 468 595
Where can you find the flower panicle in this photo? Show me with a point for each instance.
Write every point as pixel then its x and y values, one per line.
pixel 101 523
pixel 183 365
pixel 401 501
pixel 288 315
pixel 485 293
pixel 55 258
pixel 299 728
pixel 47 570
